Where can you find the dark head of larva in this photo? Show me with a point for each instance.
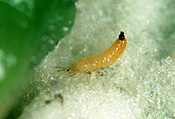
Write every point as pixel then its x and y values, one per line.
pixel 121 36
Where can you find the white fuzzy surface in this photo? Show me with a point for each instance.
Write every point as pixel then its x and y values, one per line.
pixel 140 84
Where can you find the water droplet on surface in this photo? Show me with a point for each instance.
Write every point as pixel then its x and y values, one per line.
pixel 44 38
pixel 17 1
pixel 52 42
pixel 51 27
pixel 2 72
pixel 33 59
pixel 10 60
pixel 65 29
pixel 24 24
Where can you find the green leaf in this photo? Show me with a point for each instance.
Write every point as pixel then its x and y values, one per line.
pixel 23 26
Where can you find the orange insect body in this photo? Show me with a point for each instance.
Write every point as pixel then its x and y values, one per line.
pixel 100 60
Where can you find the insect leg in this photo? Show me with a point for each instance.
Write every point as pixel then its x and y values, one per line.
pixel 88 80
pixel 99 73
pixel 60 68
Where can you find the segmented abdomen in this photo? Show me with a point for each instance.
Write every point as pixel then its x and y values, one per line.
pixel 103 59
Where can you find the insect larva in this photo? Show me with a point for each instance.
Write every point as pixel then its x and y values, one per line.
pixel 103 59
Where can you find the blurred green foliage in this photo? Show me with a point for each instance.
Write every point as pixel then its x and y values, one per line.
pixel 28 31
